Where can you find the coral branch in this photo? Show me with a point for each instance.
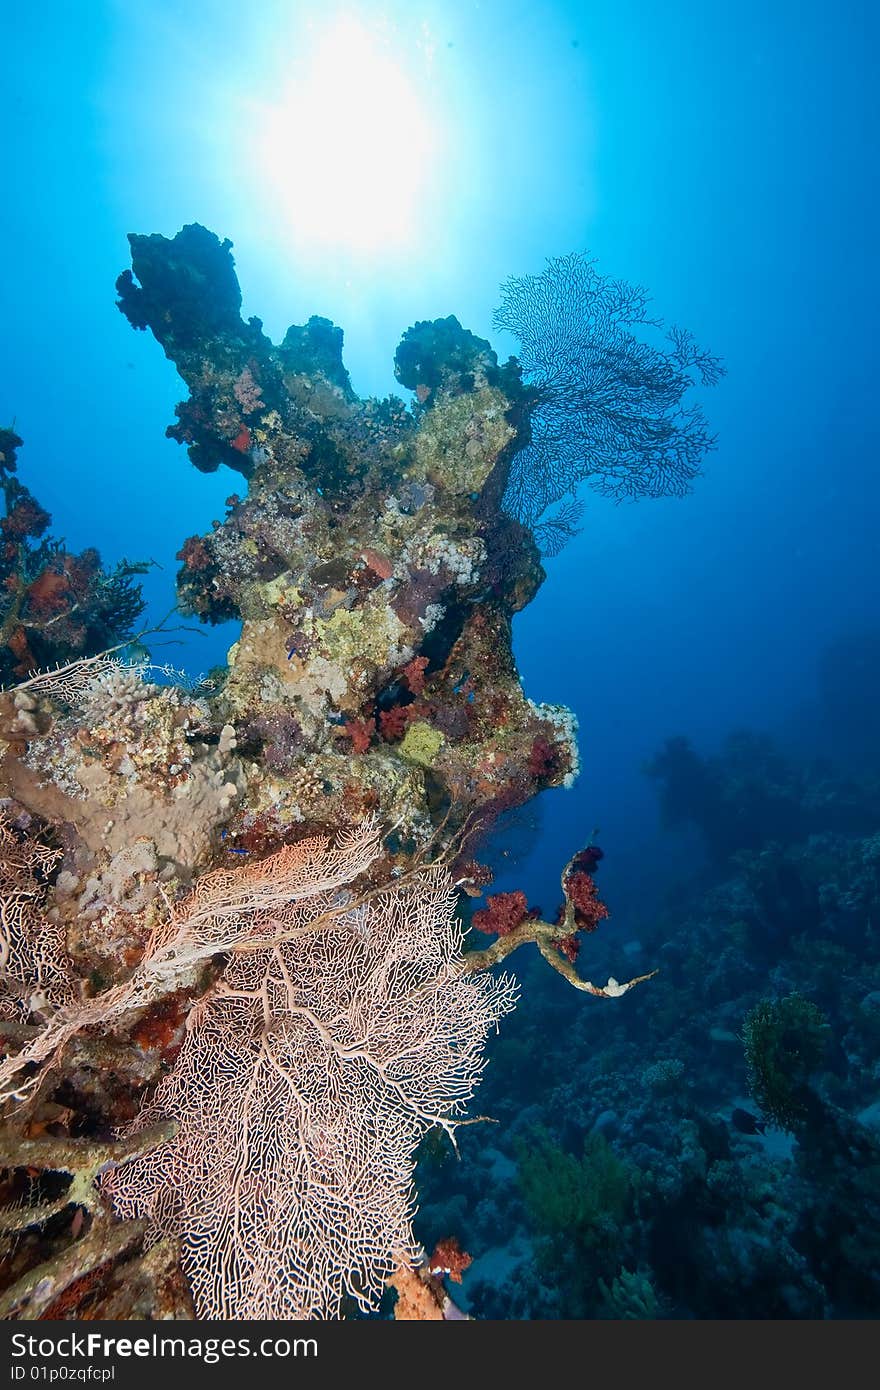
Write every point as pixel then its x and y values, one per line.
pixel 582 910
pixel 106 1241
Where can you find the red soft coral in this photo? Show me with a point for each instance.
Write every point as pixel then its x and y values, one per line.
pixel 393 722
pixel 360 731
pixel 544 760
pixel 414 674
pixel 569 946
pixel 26 518
pixel 582 893
pixel 449 1258
pixel 50 593
pixel 503 913
pixel 195 554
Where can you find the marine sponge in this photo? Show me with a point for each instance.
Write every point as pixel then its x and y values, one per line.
pixel 421 744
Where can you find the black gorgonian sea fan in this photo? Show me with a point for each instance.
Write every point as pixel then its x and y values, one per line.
pixel 610 405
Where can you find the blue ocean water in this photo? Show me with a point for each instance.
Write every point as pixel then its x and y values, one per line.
pixel 721 156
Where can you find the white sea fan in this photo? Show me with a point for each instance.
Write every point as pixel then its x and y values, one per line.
pixel 303 1088
pixel 34 973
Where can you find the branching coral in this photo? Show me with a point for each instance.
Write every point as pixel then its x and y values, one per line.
pixel 574 1196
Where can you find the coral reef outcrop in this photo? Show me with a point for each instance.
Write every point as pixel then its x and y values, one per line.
pixel 163 840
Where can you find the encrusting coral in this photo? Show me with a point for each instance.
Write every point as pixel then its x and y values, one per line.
pixel 249 887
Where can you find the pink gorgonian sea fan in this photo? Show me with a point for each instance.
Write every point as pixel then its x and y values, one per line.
pixel 340 1032
pixel 33 965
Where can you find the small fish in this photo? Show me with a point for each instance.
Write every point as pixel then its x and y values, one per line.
pixel 746 1122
